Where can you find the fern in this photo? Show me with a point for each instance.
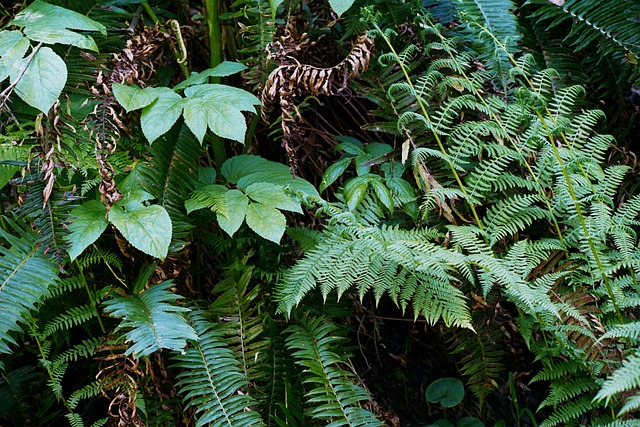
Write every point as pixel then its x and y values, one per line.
pixel 384 260
pixel 624 379
pixel 16 396
pixel 331 395
pixel 169 176
pixel 211 380
pixel 152 320
pixel 26 277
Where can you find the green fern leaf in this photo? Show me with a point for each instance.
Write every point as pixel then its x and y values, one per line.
pixel 211 381
pixel 169 176
pixel 26 276
pixel 332 397
pixel 151 319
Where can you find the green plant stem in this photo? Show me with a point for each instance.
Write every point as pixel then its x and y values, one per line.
pixel 215 46
pixel 92 299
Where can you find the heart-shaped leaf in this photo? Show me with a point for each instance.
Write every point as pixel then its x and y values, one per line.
pixel 89 223
pixel 147 228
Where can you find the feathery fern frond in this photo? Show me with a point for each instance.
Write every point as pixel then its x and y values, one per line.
pixel 26 276
pixel 332 395
pixel 384 260
pixel 211 380
pixel 152 320
pixel 623 379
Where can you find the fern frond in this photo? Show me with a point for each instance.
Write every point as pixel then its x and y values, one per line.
pixel 26 276
pixel 480 358
pixel 569 412
pixel 211 381
pixel 169 176
pixel 238 308
pixel 332 396
pixel 73 316
pixel 16 393
pixel 152 319
pixel 623 379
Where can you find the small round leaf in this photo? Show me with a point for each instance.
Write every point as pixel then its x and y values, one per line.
pixel 446 391
pixel 470 422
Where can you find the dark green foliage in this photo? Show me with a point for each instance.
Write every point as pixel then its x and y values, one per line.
pixel 486 203
pixel 331 394
pixel 26 279
pixel 211 379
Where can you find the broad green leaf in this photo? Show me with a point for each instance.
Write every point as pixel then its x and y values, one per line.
pixel 245 170
pixel 238 166
pixel 13 46
pixel 340 6
pixel 195 116
pixel 273 4
pixel 266 221
pixel 223 69
pixel 355 189
pixel 218 107
pixel 226 121
pixel 448 392
pixel 382 193
pixel 43 81
pixel 334 172
pixel 228 95
pixel 159 116
pixel 41 15
pixel 89 223
pixel 133 97
pixel 236 203
pixel 147 228
pixel 349 145
pixel 273 195
pixel 6 173
pixel 61 36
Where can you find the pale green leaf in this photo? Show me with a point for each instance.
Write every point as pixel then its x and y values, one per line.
pixel 226 121
pixel 60 35
pixel 13 46
pixel 236 206
pixel 158 117
pixel 147 228
pixel 245 170
pixel 238 166
pixel 133 97
pixel 355 190
pixel 340 6
pixel 41 15
pixel 89 223
pixel 195 116
pixel 273 195
pixel 223 69
pixel 228 95
pixel 43 80
pixel 266 221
